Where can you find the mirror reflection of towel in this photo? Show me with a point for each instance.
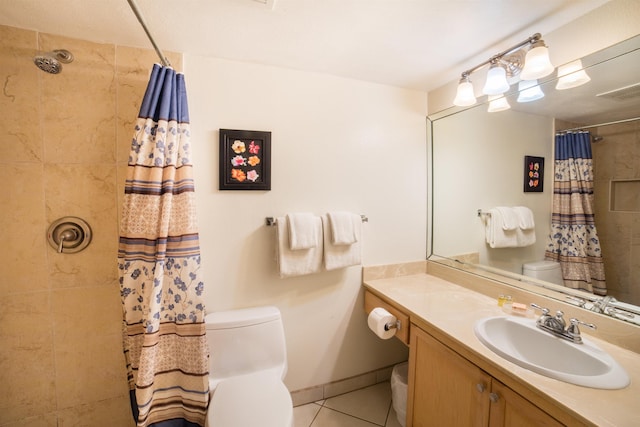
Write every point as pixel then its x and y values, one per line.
pixel 508 218
pixel 510 232
pixel 525 217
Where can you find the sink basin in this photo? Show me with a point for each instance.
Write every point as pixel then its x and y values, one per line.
pixel 521 342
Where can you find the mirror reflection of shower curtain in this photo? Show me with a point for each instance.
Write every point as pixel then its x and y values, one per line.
pixel 573 241
pixel 159 264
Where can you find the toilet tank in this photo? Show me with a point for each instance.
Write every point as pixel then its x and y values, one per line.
pixel 245 341
pixel 549 271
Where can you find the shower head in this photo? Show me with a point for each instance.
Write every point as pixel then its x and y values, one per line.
pixel 51 62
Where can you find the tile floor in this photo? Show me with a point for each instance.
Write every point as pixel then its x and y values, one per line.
pixel 367 407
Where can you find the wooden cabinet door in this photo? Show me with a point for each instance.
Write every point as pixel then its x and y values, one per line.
pixel 447 389
pixel 509 409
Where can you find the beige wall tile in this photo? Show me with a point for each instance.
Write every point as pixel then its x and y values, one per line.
pixel 87 313
pixel 20 103
pixel 616 156
pixel 26 356
pixel 48 420
pixel 106 413
pixel 79 103
pixel 90 364
pixel 23 230
pixel 90 371
pixel 122 177
pixel 60 331
pixel 88 192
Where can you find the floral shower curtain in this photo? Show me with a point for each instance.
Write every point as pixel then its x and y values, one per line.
pixel 159 264
pixel 574 240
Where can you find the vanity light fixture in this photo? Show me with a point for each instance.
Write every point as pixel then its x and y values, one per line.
pixel 465 96
pixel 537 64
pixel 508 63
pixel 496 83
pixel 498 103
pixel 529 91
pixel 571 75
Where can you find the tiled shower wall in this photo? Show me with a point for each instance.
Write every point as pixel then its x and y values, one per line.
pixel 617 156
pixel 64 144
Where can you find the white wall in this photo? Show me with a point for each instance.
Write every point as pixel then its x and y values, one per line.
pixel 468 148
pixel 337 144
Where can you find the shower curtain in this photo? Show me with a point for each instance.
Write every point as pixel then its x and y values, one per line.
pixel 159 264
pixel 574 240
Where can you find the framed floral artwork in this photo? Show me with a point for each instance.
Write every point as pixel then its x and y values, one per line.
pixel 245 160
pixel 533 174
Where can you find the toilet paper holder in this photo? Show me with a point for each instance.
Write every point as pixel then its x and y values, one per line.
pixel 393 325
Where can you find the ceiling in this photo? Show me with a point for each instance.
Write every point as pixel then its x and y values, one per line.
pixel 415 44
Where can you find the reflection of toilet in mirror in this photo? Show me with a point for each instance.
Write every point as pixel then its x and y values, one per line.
pixel 549 271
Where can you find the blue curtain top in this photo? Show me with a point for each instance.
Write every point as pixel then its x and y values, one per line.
pixel 166 96
pixel 573 145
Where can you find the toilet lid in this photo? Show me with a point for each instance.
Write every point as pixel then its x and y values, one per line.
pixel 258 399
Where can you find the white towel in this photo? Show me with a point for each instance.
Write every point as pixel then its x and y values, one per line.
pixel 509 218
pixel 302 231
pixel 526 237
pixel 343 227
pixel 525 217
pixel 297 262
pixel 341 256
pixel 496 234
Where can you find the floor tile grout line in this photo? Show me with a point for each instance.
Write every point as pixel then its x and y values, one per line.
pixel 316 415
pixel 386 420
pixel 349 415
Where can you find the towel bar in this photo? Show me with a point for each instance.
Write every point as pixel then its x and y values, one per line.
pixel 271 221
pixel 481 213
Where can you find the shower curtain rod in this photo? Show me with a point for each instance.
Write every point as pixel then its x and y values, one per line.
pixel 136 11
pixel 601 124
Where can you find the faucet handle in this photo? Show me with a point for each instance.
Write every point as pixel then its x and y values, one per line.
pixel 580 302
pixel 544 317
pixel 545 311
pixel 559 317
pixel 614 312
pixel 573 331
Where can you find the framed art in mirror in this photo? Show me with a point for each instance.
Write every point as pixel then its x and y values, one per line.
pixel 245 160
pixel 533 174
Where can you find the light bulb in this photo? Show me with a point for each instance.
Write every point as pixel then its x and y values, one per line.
pixel 465 95
pixel 536 62
pixel 529 91
pixel 571 75
pixel 498 103
pixel 496 83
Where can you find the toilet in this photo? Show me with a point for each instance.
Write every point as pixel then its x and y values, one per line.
pixel 549 271
pixel 248 361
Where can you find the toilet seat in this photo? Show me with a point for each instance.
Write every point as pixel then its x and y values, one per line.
pixel 257 399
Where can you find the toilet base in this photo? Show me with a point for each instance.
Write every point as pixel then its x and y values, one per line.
pixel 257 399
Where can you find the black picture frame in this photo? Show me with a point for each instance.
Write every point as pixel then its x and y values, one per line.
pixel 245 160
pixel 533 174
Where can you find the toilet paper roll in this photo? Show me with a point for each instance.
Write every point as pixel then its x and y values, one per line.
pixel 378 319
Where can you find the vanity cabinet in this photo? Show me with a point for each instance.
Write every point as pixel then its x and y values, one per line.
pixel 445 389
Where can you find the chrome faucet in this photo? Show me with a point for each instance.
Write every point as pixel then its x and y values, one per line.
pixel 557 326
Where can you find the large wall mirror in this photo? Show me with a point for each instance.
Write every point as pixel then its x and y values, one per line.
pixel 477 162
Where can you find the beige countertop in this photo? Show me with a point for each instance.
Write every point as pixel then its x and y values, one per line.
pixel 436 304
